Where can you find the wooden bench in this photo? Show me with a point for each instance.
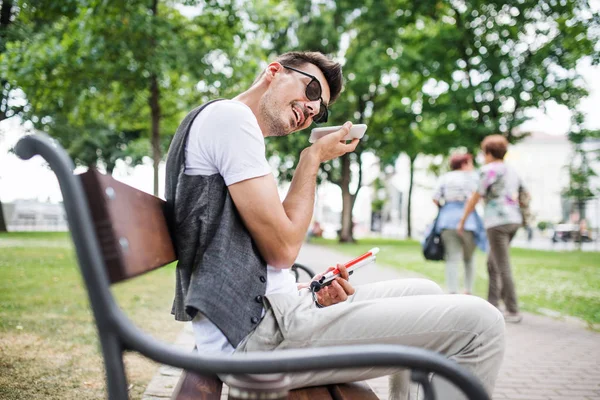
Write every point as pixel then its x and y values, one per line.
pixel 120 233
pixel 134 238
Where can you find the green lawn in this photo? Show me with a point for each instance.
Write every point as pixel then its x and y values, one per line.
pixel 565 282
pixel 48 342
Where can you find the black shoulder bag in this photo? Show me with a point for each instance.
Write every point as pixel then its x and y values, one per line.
pixel 433 247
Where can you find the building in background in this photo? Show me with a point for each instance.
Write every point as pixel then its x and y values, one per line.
pixel 33 215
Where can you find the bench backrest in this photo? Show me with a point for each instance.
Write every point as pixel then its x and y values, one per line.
pixel 130 225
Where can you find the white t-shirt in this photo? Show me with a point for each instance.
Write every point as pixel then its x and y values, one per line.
pixel 499 186
pixel 456 185
pixel 225 139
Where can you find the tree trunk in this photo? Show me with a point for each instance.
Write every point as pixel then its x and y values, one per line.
pixel 410 189
pixel 348 199
pixel 155 109
pixel 579 236
pixel 6 13
pixel 346 235
pixel 2 221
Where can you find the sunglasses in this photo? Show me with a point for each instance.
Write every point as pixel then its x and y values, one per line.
pixel 313 92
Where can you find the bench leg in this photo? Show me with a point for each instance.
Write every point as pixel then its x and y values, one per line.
pixel 116 380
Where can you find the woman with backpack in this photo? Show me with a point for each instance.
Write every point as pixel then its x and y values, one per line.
pixel 453 190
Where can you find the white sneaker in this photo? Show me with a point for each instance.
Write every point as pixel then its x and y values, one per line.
pixel 514 318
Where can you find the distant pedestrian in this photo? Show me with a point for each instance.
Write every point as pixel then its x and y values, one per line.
pixel 314 232
pixel 499 186
pixel 453 190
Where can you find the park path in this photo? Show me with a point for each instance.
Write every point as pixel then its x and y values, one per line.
pixel 545 359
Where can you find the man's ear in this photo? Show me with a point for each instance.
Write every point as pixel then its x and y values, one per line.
pixel 272 70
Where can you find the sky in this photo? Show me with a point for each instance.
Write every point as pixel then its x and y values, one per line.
pixel 32 179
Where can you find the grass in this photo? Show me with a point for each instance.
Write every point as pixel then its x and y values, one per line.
pixel 564 282
pixel 48 342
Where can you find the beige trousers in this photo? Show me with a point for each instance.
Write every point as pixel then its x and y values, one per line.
pixel 411 312
pixel 459 248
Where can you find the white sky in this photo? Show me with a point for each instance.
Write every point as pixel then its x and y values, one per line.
pixel 33 180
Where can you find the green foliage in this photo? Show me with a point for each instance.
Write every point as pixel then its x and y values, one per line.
pixel 380 199
pixel 431 76
pixel 543 225
pixel 88 74
pixel 425 76
pixel 581 172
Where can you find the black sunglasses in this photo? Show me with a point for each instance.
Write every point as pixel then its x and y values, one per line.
pixel 314 92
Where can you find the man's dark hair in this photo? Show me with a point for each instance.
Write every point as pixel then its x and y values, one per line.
pixel 330 69
pixel 496 145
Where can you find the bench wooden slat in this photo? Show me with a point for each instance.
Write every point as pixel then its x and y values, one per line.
pixel 193 386
pixel 310 393
pixel 130 224
pixel 352 391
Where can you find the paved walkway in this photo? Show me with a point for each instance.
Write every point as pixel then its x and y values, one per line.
pixel 546 358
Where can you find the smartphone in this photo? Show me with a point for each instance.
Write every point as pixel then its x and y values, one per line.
pixel 356 132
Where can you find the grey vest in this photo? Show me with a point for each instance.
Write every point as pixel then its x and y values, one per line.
pixel 220 272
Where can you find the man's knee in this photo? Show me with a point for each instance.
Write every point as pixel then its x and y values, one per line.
pixel 479 315
pixel 425 286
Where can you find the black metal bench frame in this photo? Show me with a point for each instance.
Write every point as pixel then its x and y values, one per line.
pixel 118 334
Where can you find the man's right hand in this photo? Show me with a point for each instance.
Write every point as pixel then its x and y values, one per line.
pixel 333 146
pixel 279 229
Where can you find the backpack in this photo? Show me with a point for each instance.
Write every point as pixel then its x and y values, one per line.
pixel 524 201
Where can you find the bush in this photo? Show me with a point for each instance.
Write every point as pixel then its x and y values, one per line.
pixel 543 225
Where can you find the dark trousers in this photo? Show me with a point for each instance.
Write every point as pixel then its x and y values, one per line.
pixel 501 285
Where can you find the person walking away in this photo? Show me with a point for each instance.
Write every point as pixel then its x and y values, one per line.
pixel 499 186
pixel 453 190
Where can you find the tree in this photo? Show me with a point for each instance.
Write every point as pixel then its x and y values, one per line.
pixel 5 22
pixel 113 73
pixel 431 76
pixel 485 64
pixel 358 34
pixel 8 108
pixel 581 173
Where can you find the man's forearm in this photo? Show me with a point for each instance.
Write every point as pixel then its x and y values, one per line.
pixel 300 199
pixel 299 202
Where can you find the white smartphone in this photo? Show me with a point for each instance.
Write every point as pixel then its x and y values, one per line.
pixel 356 132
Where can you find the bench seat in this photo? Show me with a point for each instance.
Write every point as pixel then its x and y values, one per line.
pixel 193 386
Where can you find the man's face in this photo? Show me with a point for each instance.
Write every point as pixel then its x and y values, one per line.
pixel 284 107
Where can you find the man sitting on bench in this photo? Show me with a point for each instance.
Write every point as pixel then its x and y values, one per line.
pixel 236 241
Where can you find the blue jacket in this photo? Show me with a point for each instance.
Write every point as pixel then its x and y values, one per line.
pixel 449 217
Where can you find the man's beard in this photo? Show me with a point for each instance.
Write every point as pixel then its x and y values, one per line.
pixel 275 125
